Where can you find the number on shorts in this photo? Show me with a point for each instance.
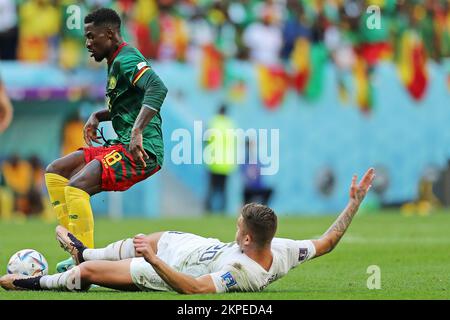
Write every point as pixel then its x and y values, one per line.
pixel 113 158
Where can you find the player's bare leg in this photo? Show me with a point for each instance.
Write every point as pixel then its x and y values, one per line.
pixel 110 274
pixel 89 178
pixel 68 165
pixel 114 274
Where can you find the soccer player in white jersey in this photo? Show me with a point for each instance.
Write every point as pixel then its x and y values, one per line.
pixel 188 263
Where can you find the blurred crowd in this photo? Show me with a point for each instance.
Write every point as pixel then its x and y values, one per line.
pixel 262 31
pixel 22 187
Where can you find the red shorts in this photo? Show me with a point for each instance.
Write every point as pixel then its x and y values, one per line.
pixel 119 171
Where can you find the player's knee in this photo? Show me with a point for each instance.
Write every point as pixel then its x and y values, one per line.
pixel 79 182
pixel 55 167
pixel 76 183
pixel 89 179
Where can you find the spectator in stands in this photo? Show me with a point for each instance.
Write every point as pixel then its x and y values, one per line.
pixel 72 135
pixel 173 36
pixel 201 34
pixel 24 180
pixel 39 26
pixel 160 28
pixel 296 26
pixel 264 39
pixel 221 162
pixel 255 189
pixel 224 31
pixel 8 30
pixel 18 179
pixel 37 188
pixel 71 50
pixel 143 23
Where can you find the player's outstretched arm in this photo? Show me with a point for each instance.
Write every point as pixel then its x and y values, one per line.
pixel 331 237
pixel 180 282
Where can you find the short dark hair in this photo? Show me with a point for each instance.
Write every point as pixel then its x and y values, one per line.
pixel 104 16
pixel 261 221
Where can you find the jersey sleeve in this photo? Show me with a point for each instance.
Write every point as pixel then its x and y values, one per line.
pixel 297 251
pixel 140 74
pixel 304 250
pixel 133 67
pixel 231 279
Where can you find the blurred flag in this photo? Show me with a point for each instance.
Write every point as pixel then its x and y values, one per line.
pixel 273 84
pixel 237 91
pixel 211 72
pixel 316 79
pixel 308 62
pixel 374 52
pixel 412 64
pixel 300 60
pixel 364 90
pixel 343 91
pixel 173 37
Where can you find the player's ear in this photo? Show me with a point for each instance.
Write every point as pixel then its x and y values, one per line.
pixel 109 33
pixel 247 239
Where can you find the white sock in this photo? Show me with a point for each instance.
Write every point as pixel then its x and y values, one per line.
pixel 120 250
pixel 69 280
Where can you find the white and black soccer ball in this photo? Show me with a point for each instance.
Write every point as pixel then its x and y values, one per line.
pixel 28 262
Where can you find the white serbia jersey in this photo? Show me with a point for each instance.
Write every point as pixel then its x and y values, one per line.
pixel 230 269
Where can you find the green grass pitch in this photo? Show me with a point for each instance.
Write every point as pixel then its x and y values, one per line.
pixel 413 254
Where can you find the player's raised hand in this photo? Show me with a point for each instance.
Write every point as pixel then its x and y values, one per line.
pixel 136 148
pixel 359 191
pixel 90 131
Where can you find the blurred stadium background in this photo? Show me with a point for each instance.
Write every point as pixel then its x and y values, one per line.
pixel 344 95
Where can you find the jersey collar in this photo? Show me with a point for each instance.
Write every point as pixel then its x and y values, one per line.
pixel 123 44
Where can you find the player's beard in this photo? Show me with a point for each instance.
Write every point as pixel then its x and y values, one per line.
pixel 97 58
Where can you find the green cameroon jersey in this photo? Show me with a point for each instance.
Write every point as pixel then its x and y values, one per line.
pixel 131 84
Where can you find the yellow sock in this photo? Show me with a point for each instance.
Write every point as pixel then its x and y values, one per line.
pixel 55 186
pixel 81 219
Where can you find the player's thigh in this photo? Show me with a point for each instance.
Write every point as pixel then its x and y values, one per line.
pixel 89 178
pixel 68 165
pixel 110 274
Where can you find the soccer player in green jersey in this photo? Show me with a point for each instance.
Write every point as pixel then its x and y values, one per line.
pixel 134 95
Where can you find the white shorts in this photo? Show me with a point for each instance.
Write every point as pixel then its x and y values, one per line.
pixel 177 250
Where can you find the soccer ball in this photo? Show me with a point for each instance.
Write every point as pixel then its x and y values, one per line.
pixel 28 262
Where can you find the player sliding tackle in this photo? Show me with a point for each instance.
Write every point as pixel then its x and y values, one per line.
pixel 187 263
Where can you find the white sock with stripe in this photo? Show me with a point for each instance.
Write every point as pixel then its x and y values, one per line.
pixel 120 250
pixel 69 280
